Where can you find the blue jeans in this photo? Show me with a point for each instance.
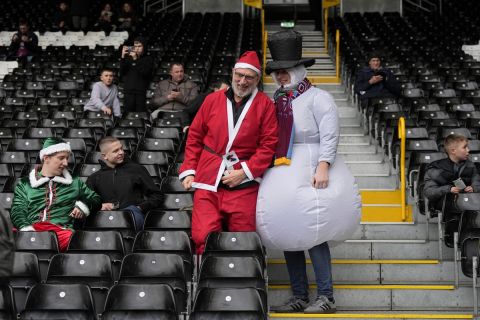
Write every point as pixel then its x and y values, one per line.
pixel 138 216
pixel 297 271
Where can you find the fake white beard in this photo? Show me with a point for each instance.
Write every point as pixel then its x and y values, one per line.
pixel 297 74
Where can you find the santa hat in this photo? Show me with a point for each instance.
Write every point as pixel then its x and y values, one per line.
pixel 54 145
pixel 249 60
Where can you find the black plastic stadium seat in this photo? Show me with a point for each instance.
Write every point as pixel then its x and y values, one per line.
pixel 156 268
pixel 91 269
pixel 59 301
pixel 140 302
pixel 228 304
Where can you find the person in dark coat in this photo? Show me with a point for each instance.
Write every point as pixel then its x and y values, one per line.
pixel 124 184
pixel 454 174
pixel 136 71
pixel 374 81
pixel 62 18
pixel 79 11
pixel 24 45
pixel 195 105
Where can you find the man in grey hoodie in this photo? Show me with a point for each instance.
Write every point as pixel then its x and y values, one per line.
pixel 104 95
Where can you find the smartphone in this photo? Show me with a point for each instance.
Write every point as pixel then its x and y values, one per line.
pixel 459 184
pixel 129 49
pixel 175 90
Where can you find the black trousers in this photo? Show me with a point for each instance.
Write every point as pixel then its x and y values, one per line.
pixel 134 102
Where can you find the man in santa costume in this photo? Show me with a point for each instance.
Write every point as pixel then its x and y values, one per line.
pixel 49 199
pixel 230 144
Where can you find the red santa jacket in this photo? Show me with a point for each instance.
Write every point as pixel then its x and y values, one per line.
pixel 212 135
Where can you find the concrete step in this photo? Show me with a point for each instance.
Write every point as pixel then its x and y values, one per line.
pixel 369 169
pixel 377 183
pixel 347 112
pixel 344 104
pixel 381 250
pixel 352 131
pixel 400 272
pixel 384 315
pixel 354 141
pixel 363 158
pixel 350 123
pixel 332 87
pixel 388 297
pixel 371 149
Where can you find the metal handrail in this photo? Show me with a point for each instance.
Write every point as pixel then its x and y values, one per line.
pixel 325 28
pixel 337 53
pixel 402 137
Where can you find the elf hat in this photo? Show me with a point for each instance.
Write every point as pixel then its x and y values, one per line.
pixel 249 60
pixel 54 145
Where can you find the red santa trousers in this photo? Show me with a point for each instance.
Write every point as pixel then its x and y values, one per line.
pixel 235 209
pixel 63 235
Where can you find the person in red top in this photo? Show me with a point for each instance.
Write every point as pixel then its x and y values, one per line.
pixel 230 144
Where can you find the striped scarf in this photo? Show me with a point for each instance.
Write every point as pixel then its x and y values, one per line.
pixel 283 101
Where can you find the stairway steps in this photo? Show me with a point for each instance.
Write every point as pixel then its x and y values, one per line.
pixel 354 141
pixel 350 123
pixel 386 272
pixel 408 250
pixel 347 112
pixel 368 169
pixel 368 316
pixel 353 132
pixel 388 298
pixel 377 183
pixel 371 149
pixel 362 158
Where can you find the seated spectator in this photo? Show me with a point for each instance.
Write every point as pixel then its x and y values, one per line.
pixel 455 174
pixel 24 45
pixel 374 81
pixel 61 19
pixel 124 184
pixel 136 71
pixel 176 93
pixel 193 107
pixel 126 17
pixel 49 199
pixel 104 95
pixel 79 11
pixel 105 21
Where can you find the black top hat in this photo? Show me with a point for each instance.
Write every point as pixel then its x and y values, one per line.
pixel 286 50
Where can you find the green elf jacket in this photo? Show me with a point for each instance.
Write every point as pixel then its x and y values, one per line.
pixel 39 198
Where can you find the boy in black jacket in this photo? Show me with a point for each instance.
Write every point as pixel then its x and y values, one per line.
pixel 454 174
pixel 124 184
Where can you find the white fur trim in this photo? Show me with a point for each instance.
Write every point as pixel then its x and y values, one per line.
pixel 204 186
pixel 54 149
pixel 82 206
pixel 186 173
pixel 247 171
pixel 66 179
pixel 35 183
pixel 244 65
pixel 27 228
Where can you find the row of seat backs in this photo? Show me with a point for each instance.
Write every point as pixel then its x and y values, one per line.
pixel 135 301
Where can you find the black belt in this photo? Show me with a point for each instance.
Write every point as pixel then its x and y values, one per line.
pixel 241 186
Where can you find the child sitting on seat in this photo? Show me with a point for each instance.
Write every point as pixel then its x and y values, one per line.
pixel 454 174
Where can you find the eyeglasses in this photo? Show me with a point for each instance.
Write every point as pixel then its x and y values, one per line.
pixel 239 75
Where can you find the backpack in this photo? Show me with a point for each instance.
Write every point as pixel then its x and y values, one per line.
pixel 7 247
